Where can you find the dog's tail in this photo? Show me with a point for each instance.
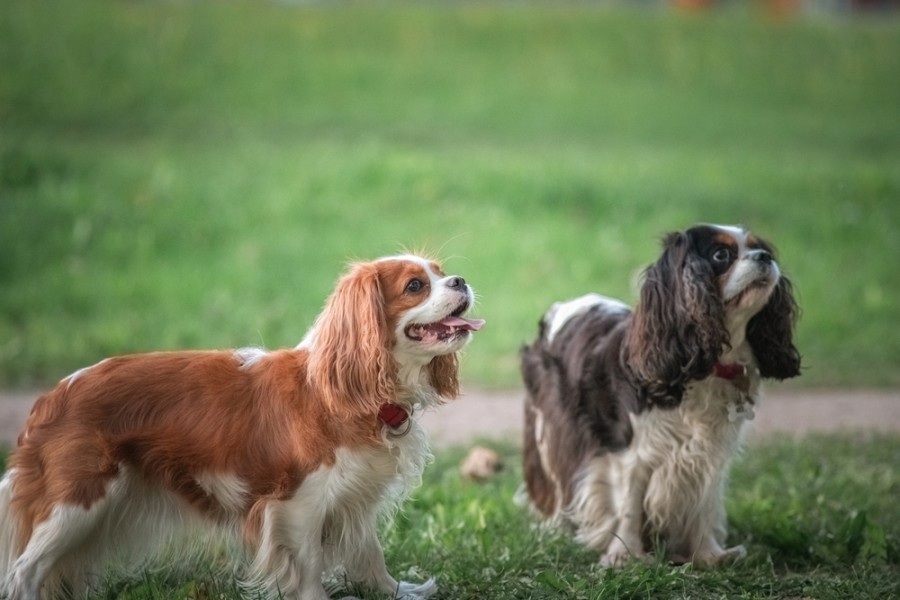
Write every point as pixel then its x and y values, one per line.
pixel 9 534
pixel 541 378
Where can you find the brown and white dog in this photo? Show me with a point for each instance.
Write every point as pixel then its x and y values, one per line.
pixel 292 454
pixel 632 416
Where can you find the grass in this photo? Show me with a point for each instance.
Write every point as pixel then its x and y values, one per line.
pixel 197 174
pixel 819 518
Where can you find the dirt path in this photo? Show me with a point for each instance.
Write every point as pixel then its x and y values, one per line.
pixel 498 414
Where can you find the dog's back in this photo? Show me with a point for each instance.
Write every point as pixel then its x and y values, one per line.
pixel 574 410
pixel 78 476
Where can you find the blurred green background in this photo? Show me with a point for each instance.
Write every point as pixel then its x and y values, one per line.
pixel 197 174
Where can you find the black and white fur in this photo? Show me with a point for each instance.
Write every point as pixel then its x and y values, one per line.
pixel 629 429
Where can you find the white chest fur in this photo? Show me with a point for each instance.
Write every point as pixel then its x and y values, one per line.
pixel 669 482
pixel 684 454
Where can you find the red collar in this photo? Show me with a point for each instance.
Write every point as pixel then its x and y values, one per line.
pixel 393 415
pixel 730 372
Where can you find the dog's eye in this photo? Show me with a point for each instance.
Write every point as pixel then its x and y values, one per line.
pixel 722 255
pixel 415 286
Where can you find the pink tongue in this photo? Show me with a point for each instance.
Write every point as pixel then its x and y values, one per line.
pixel 460 323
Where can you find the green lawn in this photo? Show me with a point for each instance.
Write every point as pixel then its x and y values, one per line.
pixel 819 518
pixel 197 174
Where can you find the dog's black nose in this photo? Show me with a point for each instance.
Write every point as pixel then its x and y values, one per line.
pixel 763 257
pixel 456 282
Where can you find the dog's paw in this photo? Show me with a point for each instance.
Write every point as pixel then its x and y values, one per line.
pixel 732 554
pixel 415 591
pixel 618 554
pixel 720 557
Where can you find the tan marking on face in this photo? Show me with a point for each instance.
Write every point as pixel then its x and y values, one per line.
pixel 727 240
pixel 395 277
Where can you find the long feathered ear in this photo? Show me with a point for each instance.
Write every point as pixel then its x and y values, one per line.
pixel 678 332
pixel 350 363
pixel 444 371
pixel 771 334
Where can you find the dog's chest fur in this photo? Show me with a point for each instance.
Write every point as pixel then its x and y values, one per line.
pixel 688 447
pixel 683 452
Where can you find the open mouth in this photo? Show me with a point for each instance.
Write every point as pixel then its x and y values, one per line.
pixel 448 328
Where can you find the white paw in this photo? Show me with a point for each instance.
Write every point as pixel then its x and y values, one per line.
pixel 729 555
pixel 413 591
pixel 734 553
pixel 618 554
pixel 14 588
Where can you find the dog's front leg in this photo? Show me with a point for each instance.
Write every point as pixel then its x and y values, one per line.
pixel 631 480
pixel 711 529
pixel 367 566
pixel 289 560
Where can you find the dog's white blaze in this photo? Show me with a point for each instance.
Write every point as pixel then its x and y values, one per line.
pixel 738 233
pixel 409 258
pixel 441 302
pixel 562 312
pixel 745 272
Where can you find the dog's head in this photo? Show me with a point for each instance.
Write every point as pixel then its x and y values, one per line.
pixel 387 322
pixel 713 287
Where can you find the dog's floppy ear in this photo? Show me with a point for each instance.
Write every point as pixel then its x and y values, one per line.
pixel 771 334
pixel 350 363
pixel 443 372
pixel 678 331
